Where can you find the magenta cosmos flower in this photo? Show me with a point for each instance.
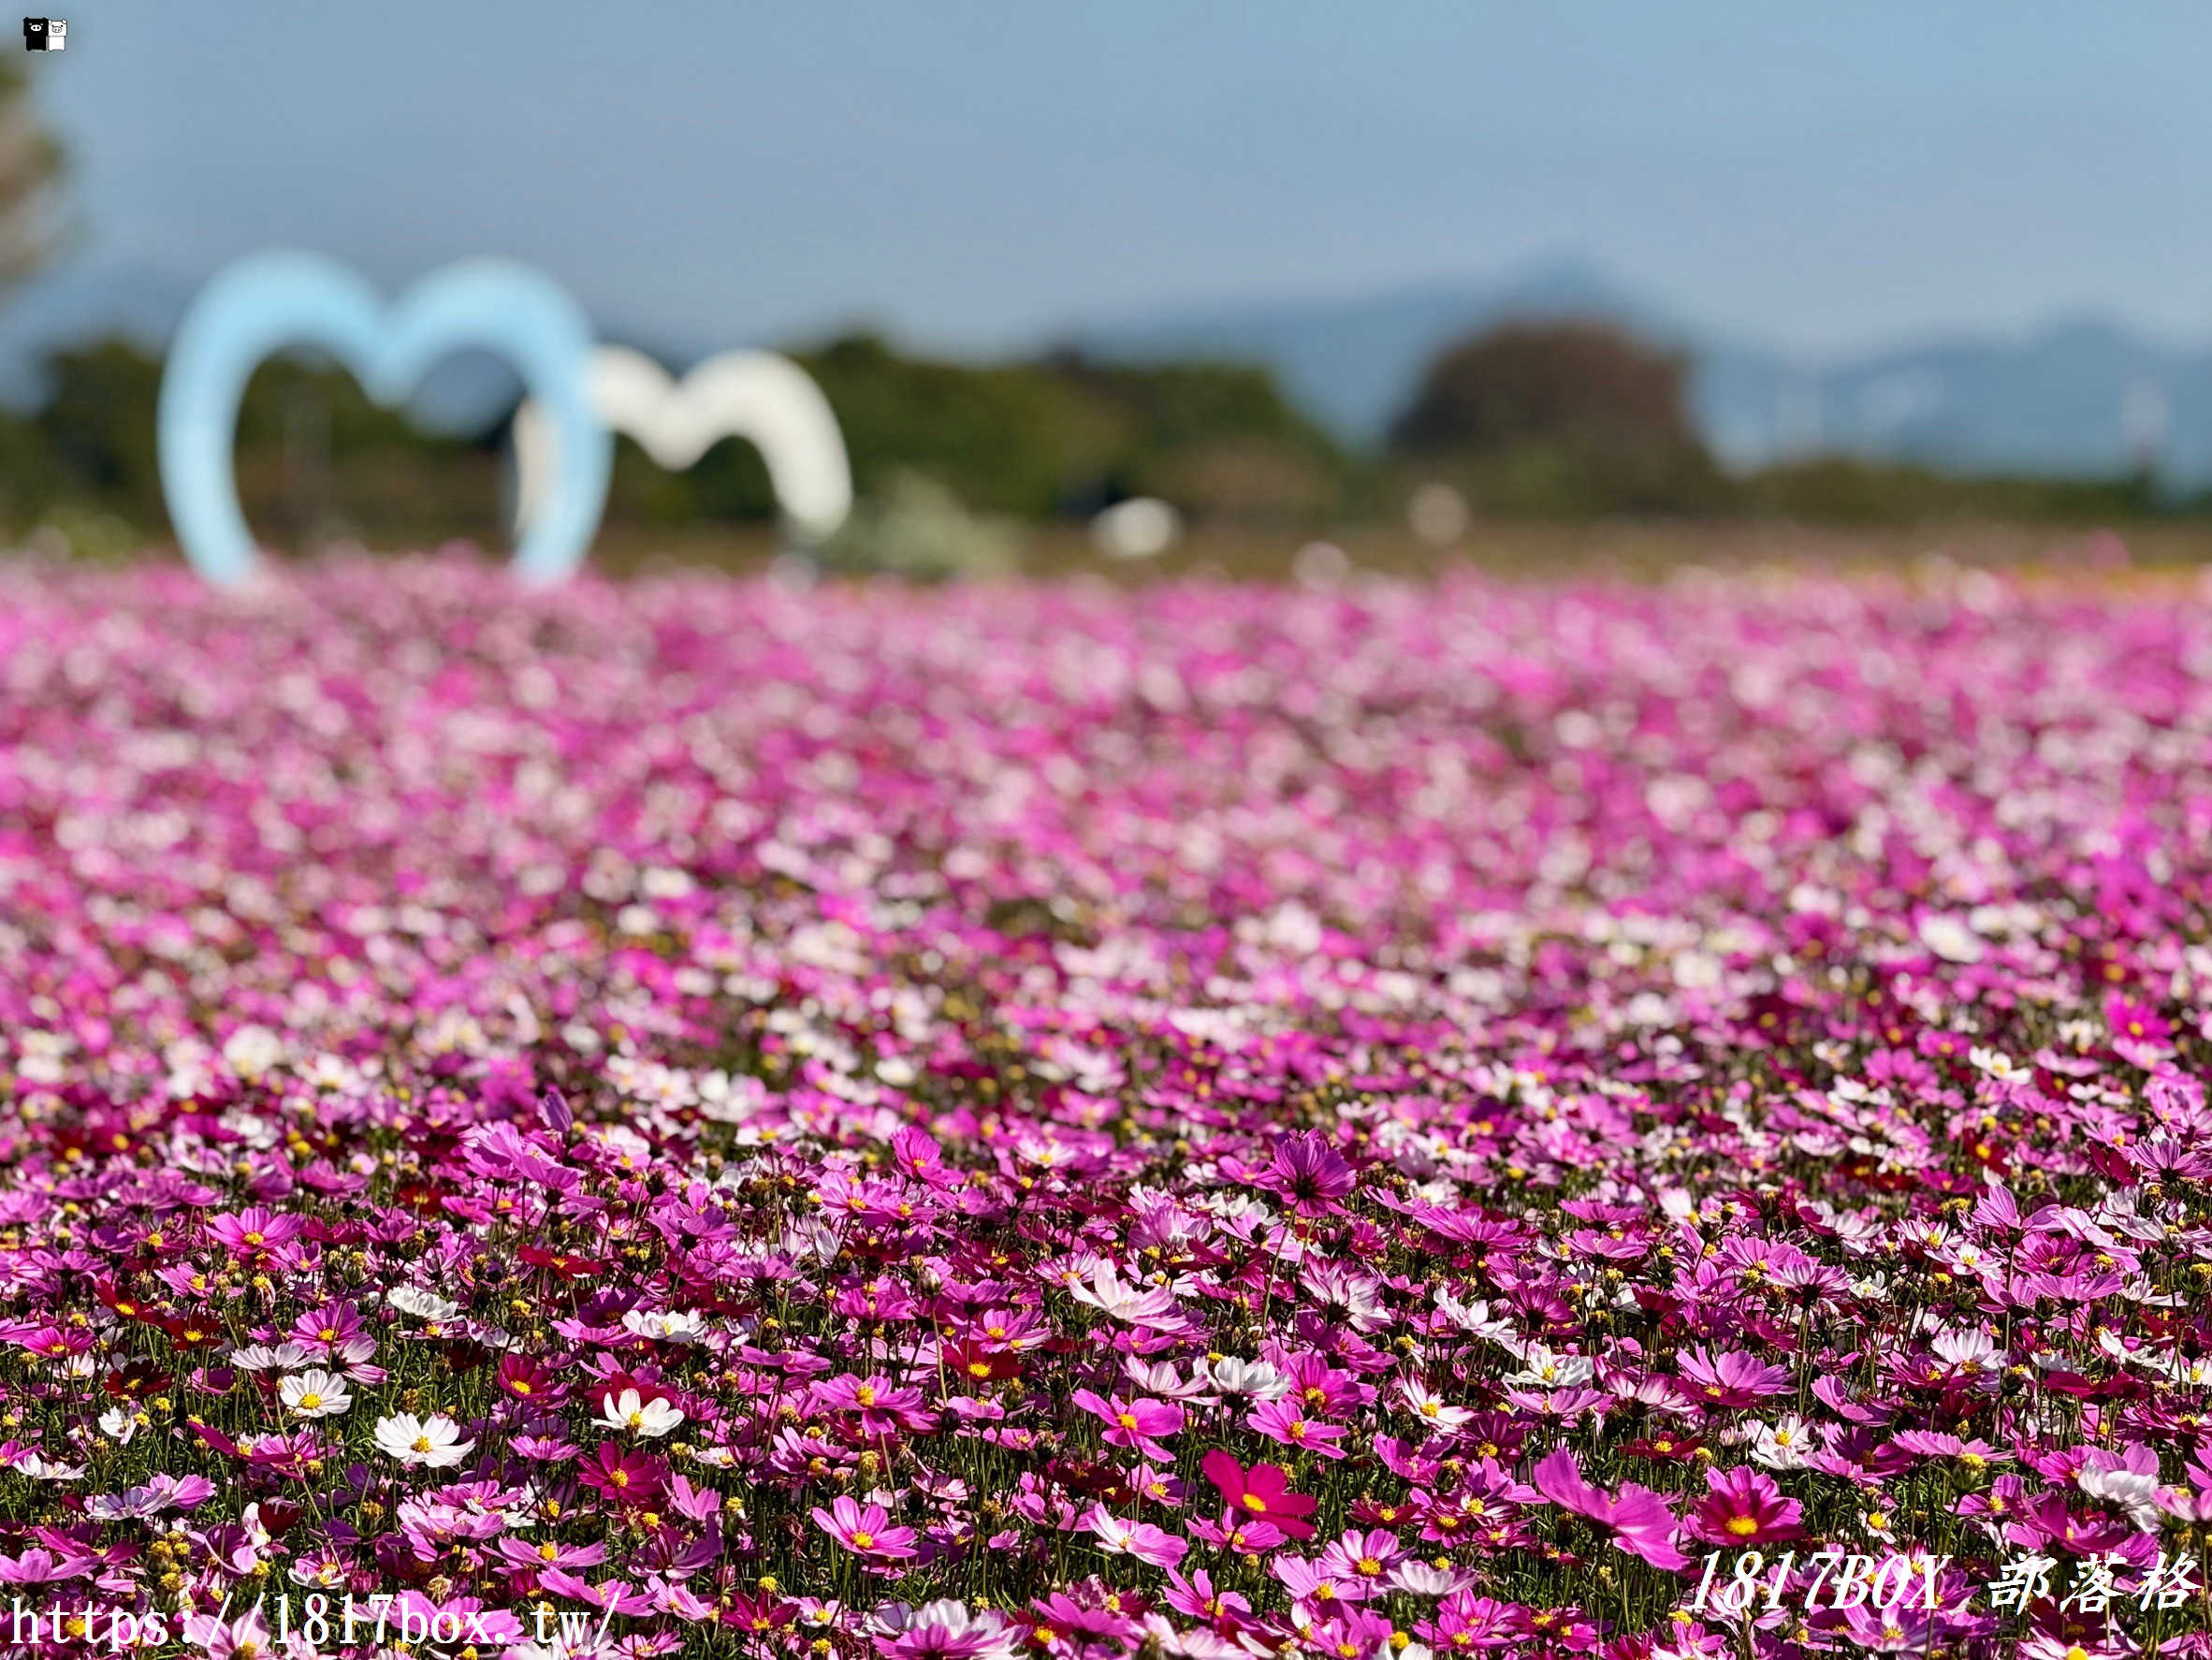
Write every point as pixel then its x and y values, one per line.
pixel 1743 1507
pixel 866 1531
pixel 626 1479
pixel 1638 1518
pixel 253 1231
pixel 1263 1492
pixel 1308 1176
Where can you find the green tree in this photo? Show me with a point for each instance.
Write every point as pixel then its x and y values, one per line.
pixel 31 167
pixel 1561 417
pixel 97 429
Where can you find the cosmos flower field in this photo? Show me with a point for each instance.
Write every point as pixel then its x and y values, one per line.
pixel 1203 1120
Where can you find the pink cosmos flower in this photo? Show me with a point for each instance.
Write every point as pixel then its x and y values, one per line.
pixel 866 1531
pixel 1249 1537
pixel 945 1630
pixel 37 1565
pixel 1316 1585
pixel 2135 1021
pixel 880 1406
pixel 1466 1623
pixel 617 1597
pixel 1136 1425
pixel 1197 1598
pixel 1974 1452
pixel 1364 1557
pixel 1118 1536
pixel 537 1555
pixel 1638 1518
pixel 1286 1422
pixel 1730 1380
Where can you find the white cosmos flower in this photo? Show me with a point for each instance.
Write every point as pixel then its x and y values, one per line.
pixel 1140 1305
pixel 1436 1415
pixel 1783 1446
pixel 2130 1489
pixel 631 1411
pixel 1256 1379
pixel 118 1425
pixel 1420 1578
pixel 1950 938
pixel 1546 1370
pixel 315 1393
pixel 679 1325
pixel 260 1356
pixel 1164 1380
pixel 1472 1316
pixel 433 1442
pixel 1995 1062
pixel 251 1049
pixel 424 1305
pixel 43 1469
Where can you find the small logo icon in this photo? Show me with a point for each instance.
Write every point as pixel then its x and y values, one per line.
pixel 45 34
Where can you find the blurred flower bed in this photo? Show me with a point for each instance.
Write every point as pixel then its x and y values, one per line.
pixel 1199 1121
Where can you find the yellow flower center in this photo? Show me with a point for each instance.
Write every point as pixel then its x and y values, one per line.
pixel 1743 1526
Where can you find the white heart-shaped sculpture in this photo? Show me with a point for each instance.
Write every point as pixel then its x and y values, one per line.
pixel 757 396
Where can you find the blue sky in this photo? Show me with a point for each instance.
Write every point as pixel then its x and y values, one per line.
pixel 1818 178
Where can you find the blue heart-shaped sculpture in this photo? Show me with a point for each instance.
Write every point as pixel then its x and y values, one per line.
pixel 271 300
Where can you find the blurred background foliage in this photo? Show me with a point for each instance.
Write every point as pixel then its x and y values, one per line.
pixel 1561 422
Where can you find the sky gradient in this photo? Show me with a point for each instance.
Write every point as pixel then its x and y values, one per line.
pixel 1818 178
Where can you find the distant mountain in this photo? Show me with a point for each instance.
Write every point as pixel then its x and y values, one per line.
pixel 1353 363
pixel 2080 397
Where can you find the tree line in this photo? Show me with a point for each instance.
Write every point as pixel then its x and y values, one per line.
pixel 1556 420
